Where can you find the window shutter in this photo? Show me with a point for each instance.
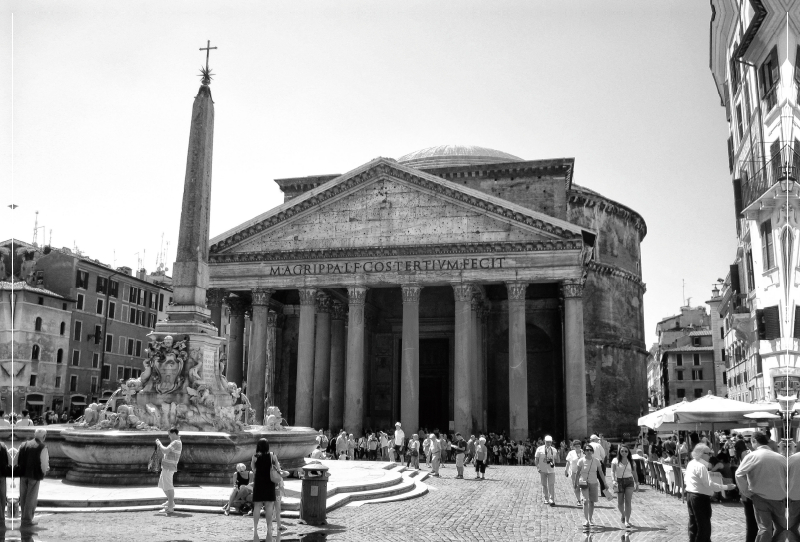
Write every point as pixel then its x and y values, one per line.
pixel 730 151
pixel 796 333
pixel 735 286
pixel 772 323
pixel 762 333
pixel 737 198
pixel 727 104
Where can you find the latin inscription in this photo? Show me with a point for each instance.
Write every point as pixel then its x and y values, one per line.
pixel 407 266
pixel 208 365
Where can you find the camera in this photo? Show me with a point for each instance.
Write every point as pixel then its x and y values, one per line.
pixel 551 463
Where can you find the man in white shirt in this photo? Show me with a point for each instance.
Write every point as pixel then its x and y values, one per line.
pixel 699 489
pixel 399 440
pixel 599 451
pixel 545 460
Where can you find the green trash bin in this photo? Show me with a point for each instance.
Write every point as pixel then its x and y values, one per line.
pixel 314 496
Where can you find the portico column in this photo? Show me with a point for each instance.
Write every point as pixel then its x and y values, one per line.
pixel 354 370
pixel 484 378
pixel 214 298
pixel 257 361
pixel 336 405
pixel 233 373
pixel 475 362
pixel 517 362
pixel 322 362
pixel 575 359
pixel 304 396
pixel 269 376
pixel 463 371
pixel 409 382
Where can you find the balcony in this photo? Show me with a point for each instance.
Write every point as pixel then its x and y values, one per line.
pixel 781 167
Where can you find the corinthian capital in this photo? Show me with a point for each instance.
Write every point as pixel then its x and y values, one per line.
pixel 411 293
pixel 261 296
pixel 323 303
pixel 516 290
pixel 462 291
pixel 572 288
pixel 308 296
pixel 215 297
pixel 237 305
pixel 356 295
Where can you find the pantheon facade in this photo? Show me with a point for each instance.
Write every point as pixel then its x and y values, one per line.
pixel 458 288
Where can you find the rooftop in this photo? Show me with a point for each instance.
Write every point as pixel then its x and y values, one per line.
pixel 6 286
pixel 690 349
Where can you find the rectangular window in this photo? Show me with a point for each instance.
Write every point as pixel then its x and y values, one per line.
pixel 93 388
pixel 58 382
pixel 698 393
pixel 679 360
pixel 112 309
pixel 127 373
pixel 697 374
pixel 722 333
pixel 751 279
pixel 132 295
pixel 80 302
pixel 95 360
pixel 120 372
pixel 76 357
pixel 161 302
pixel 696 358
pixel 106 372
pixel 140 296
pixel 130 347
pixel 768 323
pixel 76 336
pixel 98 334
pixel 82 280
pixel 739 127
pixel 681 393
pixel 767 250
pixel 734 71
pixel 32 380
pixel 722 354
pixel 132 316
pixel 109 342
pixel 99 306
pixel 102 283
pixel 680 375
pixel 73 382
pixel 139 348
pixel 695 341
pixel 124 313
pixel 725 378
pixel 769 78
pixel 759 368
pixel 114 288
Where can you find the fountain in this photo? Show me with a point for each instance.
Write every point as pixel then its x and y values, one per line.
pixel 183 384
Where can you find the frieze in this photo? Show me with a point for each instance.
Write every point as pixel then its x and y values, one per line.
pixel 386 169
pixel 308 296
pixel 397 251
pixel 411 293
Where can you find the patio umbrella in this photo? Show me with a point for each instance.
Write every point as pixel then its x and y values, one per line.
pixel 713 409
pixel 656 419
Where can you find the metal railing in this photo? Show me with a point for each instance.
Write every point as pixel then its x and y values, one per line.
pixel 782 166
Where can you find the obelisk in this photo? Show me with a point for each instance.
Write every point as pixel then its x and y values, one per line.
pixel 188 316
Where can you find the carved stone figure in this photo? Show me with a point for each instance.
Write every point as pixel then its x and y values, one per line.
pixel 274 418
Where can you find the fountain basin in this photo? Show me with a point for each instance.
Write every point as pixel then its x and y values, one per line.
pixel 121 457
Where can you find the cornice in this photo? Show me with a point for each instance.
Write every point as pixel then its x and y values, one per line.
pixel 383 168
pixel 614 271
pixel 396 251
pixel 577 196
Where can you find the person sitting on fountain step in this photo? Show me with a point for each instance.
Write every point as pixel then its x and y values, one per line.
pixel 243 478
pixel 25 421
pixel 172 453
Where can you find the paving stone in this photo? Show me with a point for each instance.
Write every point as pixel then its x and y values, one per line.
pixel 506 506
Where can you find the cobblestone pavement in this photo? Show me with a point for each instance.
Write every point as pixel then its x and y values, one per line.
pixel 506 506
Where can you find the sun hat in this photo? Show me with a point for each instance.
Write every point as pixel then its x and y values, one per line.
pixel 548 438
pixel 594 437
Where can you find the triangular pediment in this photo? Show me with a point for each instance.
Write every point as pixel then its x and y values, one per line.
pixel 382 205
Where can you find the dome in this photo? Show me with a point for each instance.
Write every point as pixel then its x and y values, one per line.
pixel 455 155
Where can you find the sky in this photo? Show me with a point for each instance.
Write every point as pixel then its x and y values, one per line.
pixel 96 97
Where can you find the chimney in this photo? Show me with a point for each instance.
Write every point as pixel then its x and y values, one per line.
pixel 125 270
pixel 141 274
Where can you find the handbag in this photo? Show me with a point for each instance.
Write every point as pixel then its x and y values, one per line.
pixel 583 484
pixel 274 476
pixel 154 465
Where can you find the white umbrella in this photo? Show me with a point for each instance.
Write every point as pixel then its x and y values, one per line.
pixel 713 409
pixel 656 419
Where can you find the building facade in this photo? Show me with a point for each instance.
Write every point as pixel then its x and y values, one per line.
pixel 456 287
pixel 754 62
pixel 112 312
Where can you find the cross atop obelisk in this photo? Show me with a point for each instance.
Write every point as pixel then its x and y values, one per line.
pixel 206 73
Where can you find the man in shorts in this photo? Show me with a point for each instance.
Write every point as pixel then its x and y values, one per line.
pixel 172 453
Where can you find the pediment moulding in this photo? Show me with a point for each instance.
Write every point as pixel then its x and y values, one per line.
pixel 397 251
pixel 384 169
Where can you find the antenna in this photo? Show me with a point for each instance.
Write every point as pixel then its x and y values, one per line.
pixel 683 291
pixel 36 228
pixel 50 241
